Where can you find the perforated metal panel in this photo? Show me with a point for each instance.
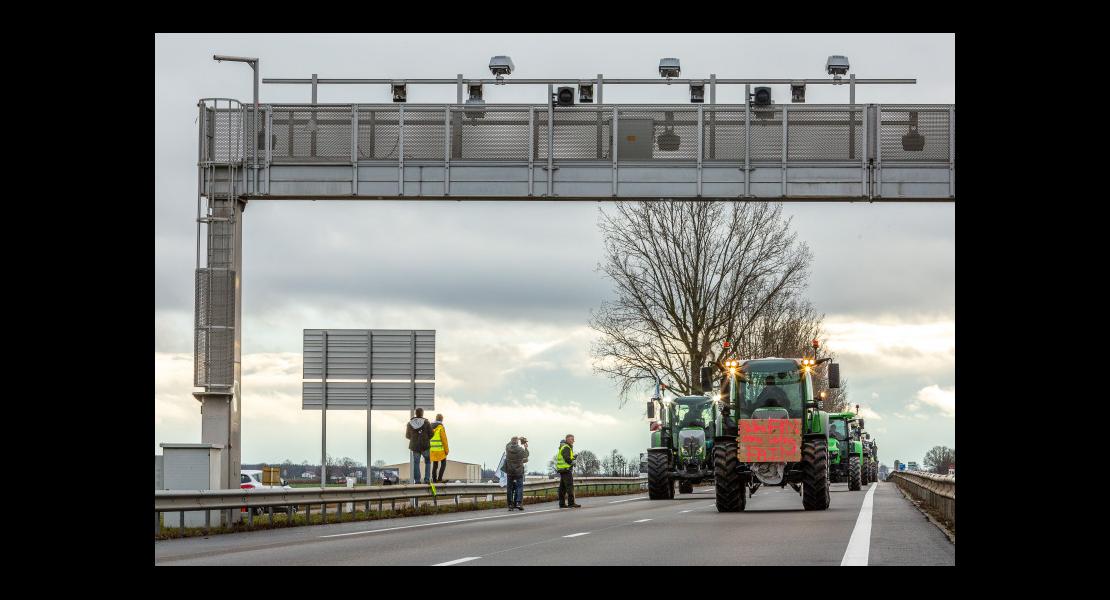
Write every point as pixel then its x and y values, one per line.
pixel 226 129
pixel 424 135
pixel 932 125
pixel 499 135
pixel 580 133
pixel 311 134
pixel 825 134
pixel 377 134
pixel 766 136
pixel 723 136
pixel 214 322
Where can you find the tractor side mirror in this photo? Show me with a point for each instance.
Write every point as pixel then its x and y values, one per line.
pixel 706 379
pixel 834 375
pixel 651 409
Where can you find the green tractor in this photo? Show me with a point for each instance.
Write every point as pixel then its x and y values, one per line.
pixel 871 456
pixel 681 443
pixel 773 432
pixel 846 450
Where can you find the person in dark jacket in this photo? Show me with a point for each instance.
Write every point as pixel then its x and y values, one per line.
pixel 564 464
pixel 419 433
pixel 516 454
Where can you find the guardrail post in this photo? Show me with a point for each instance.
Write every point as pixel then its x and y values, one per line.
pixel 324 510
pixel 181 524
pixel 270 511
pixel 207 520
pixel 250 516
pixel 157 522
pixel 308 514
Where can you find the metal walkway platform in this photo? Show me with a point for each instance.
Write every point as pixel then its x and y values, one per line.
pixel 872 152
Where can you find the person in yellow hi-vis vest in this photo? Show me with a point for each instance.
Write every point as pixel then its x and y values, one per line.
pixel 439 449
pixel 564 464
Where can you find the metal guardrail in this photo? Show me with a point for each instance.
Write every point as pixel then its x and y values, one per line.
pixel 182 501
pixel 936 491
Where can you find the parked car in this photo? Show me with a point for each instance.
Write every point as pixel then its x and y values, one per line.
pixel 252 480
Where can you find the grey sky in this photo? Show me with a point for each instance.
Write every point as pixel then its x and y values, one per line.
pixel 509 286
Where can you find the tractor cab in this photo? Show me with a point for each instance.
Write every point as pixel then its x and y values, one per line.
pixel 681 443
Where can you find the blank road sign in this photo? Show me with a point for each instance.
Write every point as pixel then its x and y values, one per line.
pixel 394 369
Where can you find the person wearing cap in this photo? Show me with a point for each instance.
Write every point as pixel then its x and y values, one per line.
pixel 516 454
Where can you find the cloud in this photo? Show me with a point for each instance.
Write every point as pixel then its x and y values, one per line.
pixel 941 399
pixel 869 414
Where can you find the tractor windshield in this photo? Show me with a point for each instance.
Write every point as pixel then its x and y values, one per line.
pixel 839 429
pixel 693 413
pixel 771 384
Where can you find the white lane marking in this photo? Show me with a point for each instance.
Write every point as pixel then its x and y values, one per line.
pixel 628 500
pixel 457 561
pixel 642 521
pixel 534 512
pixel 859 546
pixel 577 534
pixel 684 511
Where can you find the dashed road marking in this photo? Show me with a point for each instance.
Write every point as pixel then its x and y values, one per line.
pixel 577 534
pixel 642 521
pixel 457 561
pixel 628 500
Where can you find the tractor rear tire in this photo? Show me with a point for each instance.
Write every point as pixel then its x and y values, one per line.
pixel 815 475
pixel 685 487
pixel 660 484
pixel 865 472
pixel 730 488
pixel 854 474
pixel 874 471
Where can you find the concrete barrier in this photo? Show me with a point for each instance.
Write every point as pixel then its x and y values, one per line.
pixel 935 491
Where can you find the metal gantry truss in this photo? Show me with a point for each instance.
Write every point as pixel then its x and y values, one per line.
pixel 480 151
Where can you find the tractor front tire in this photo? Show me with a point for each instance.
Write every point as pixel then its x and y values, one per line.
pixel 685 487
pixel 815 475
pixel 660 484
pixel 730 488
pixel 854 474
pixel 865 472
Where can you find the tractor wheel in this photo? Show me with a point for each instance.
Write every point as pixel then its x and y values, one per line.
pixel 660 484
pixel 865 472
pixel 854 474
pixel 685 487
pixel 726 478
pixel 874 471
pixel 815 475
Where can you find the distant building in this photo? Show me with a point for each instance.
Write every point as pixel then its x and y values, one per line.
pixel 465 472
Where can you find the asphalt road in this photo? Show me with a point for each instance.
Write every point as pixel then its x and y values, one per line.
pixel 611 530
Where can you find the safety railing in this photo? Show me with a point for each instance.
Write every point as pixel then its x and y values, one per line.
pixel 936 491
pixel 297 499
pixel 787 134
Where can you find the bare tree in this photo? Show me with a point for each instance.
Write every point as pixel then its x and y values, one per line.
pixel 691 275
pixel 939 458
pixel 586 463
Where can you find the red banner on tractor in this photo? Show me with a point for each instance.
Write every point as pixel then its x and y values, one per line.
pixel 769 440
